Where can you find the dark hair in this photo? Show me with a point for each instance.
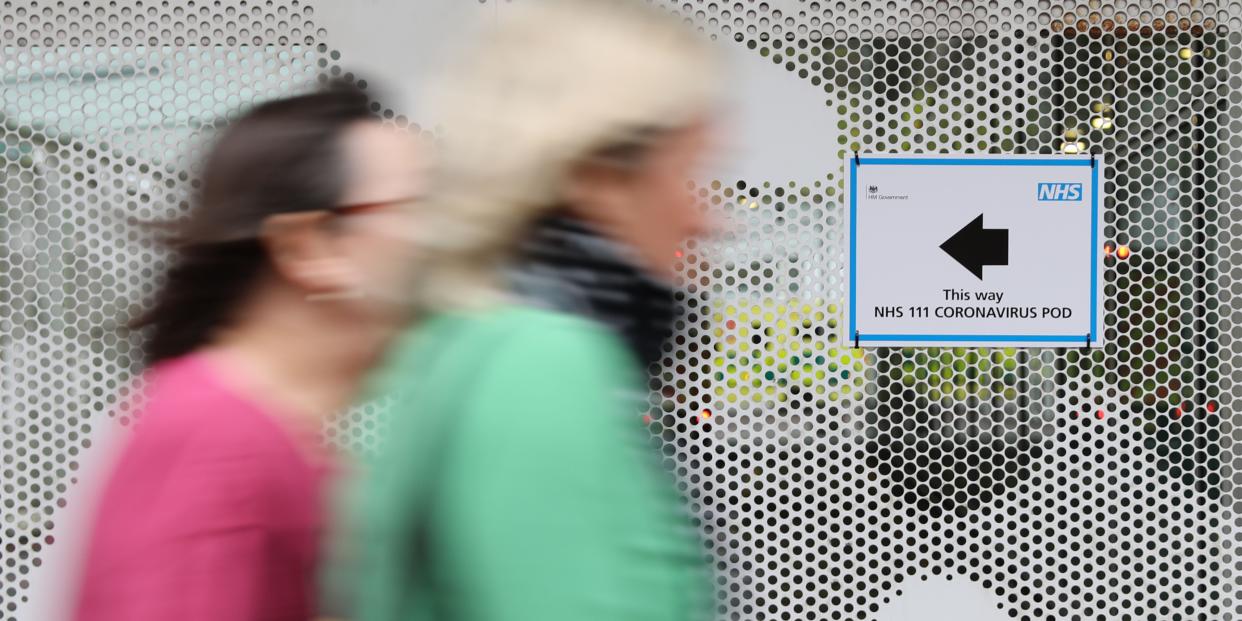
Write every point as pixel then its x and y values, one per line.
pixel 282 156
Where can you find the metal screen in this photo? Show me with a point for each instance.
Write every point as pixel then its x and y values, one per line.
pixel 1070 484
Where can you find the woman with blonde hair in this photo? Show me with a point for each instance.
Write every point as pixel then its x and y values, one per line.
pixel 518 482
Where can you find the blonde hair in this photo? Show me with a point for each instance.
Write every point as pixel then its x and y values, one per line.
pixel 555 82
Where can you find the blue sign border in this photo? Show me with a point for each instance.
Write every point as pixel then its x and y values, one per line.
pixel 969 161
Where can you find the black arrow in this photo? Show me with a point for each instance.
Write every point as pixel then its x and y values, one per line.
pixel 975 247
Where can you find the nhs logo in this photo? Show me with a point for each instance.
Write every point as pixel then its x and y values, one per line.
pixel 1059 192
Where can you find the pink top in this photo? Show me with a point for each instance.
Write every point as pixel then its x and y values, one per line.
pixel 212 514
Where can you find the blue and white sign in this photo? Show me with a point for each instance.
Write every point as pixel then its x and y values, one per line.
pixel 974 250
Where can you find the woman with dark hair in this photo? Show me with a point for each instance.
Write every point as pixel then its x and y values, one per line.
pixel 279 299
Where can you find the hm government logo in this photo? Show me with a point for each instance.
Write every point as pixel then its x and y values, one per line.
pixel 873 192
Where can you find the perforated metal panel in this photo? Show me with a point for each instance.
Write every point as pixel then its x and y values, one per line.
pixel 1070 484
pixel 103 107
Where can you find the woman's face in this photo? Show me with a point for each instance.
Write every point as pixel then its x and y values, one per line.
pixel 361 254
pixel 376 232
pixel 649 207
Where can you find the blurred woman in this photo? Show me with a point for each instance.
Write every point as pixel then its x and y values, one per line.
pixel 519 483
pixel 279 298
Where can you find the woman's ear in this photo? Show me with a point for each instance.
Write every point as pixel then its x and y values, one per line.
pixel 596 191
pixel 301 251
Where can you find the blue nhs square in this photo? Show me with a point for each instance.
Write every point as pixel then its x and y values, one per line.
pixel 1059 192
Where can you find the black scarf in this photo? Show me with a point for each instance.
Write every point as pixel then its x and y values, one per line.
pixel 566 266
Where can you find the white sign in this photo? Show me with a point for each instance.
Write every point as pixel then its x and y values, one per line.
pixel 974 250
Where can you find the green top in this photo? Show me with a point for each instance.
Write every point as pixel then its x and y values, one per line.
pixel 518 482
